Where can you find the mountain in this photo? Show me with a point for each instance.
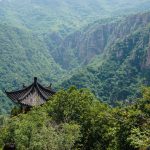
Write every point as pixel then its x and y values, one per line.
pixel 64 16
pixel 80 47
pixel 122 65
pixel 52 39
pixel 23 56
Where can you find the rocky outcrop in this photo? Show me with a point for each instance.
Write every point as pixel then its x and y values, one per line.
pixel 148 59
pixel 124 67
pixel 81 47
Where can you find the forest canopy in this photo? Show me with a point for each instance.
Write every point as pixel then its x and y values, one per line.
pixel 75 119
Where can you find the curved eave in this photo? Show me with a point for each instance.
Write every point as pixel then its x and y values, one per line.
pixel 48 89
pixel 14 100
pixel 20 95
pixel 45 92
pixel 15 95
pixel 10 97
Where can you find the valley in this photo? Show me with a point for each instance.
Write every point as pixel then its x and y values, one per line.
pixel 71 51
pixel 76 75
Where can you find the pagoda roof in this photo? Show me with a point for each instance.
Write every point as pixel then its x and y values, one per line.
pixel 33 95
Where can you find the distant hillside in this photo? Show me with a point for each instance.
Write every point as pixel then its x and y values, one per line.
pixel 80 47
pixel 23 56
pixel 123 64
pixel 51 39
pixel 64 16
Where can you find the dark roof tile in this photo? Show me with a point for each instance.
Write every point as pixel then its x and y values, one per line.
pixel 25 97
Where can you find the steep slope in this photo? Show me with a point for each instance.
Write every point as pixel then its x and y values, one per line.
pixel 123 67
pixel 64 15
pixel 32 36
pixel 79 48
pixel 23 56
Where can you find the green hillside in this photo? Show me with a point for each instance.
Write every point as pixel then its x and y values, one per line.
pixel 23 56
pixel 82 46
pixel 51 40
pixel 64 15
pixel 75 119
pixel 122 67
pixel 96 54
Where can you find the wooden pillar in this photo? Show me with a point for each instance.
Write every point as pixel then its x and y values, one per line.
pixel 25 109
pixel 9 146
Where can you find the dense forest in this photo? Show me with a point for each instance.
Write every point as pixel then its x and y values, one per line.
pixel 37 41
pixel 123 62
pixel 75 119
pixel 95 54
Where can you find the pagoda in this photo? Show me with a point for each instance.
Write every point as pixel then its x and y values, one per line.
pixel 32 95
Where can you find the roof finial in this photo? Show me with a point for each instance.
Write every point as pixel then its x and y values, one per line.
pixel 23 85
pixel 50 86
pixel 35 79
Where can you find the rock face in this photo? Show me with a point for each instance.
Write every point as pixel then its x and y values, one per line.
pixel 81 47
pixel 123 65
pixel 148 59
pixel 35 31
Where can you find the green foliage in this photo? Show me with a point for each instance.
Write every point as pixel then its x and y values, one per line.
pixel 80 106
pixel 22 57
pixel 30 37
pixel 47 15
pixel 36 130
pixel 140 139
pixel 120 72
pixel 75 119
pixel 35 40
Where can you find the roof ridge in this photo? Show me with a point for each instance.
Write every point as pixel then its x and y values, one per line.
pixel 26 94
pixel 39 89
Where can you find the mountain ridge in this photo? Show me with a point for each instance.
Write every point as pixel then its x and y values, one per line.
pixel 62 15
pixel 32 46
pixel 123 67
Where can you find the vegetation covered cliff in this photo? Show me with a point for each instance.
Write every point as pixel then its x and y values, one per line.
pixel 121 65
pixel 38 38
pixel 96 53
